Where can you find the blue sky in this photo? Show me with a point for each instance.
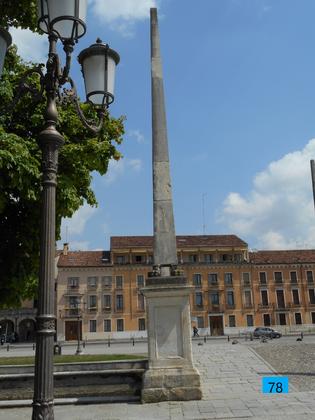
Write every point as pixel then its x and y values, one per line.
pixel 239 79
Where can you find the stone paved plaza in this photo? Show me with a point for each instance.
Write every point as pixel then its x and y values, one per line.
pixel 231 380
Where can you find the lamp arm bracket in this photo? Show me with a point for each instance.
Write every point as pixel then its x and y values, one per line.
pixel 72 96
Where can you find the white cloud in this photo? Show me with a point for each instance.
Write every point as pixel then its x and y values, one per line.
pixel 137 135
pixel 79 246
pixel 118 168
pixel 123 14
pixel 76 224
pixel 31 46
pixel 278 213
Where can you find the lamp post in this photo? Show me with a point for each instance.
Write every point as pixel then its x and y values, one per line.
pixel 79 317
pixel 63 21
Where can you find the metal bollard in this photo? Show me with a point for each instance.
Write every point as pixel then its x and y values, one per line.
pixel 8 347
pixel 84 344
pixel 108 343
pixel 204 339
pixel 228 338
pixel 133 341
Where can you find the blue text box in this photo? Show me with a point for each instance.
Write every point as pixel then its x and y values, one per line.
pixel 275 385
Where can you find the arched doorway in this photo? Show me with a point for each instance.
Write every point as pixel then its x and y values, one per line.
pixel 27 330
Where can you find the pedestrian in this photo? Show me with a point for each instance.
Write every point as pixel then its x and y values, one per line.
pixel 195 330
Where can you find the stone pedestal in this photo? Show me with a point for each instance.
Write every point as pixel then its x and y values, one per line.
pixel 171 375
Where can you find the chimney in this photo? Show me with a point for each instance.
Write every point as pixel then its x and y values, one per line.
pixel 65 248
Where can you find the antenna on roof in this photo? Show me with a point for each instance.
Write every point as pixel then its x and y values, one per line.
pixel 203 214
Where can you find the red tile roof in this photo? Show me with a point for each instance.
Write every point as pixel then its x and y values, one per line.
pixel 282 257
pixel 84 259
pixel 186 241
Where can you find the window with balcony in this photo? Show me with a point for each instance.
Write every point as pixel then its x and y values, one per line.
pixel 208 258
pixel 107 302
pixel 247 298
pixel 267 320
pixel 264 297
pixel 197 280
pixel 198 299
pixel 139 259
pixel 293 277
pixel 313 317
pixel 73 282
pixel 212 279
pixel 226 257
pixel 311 294
pixel 107 325
pixel 141 324
pixel 92 302
pixel 107 282
pixel 249 320
pixel 232 322
pixel 278 277
pixel 193 258
pixel 119 302
pixel 309 276
pixel 140 281
pixel 200 322
pixel 120 325
pixel 295 297
pixel 280 298
pixel 92 282
pixel 262 277
pixel 298 318
pixel 238 257
pixel 230 298
pixel 246 279
pixel 74 301
pixel 92 325
pixel 228 278
pixel 282 319
pixel 215 298
pixel 140 302
pixel 119 282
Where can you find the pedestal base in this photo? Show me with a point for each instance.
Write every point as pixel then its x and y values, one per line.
pixel 171 385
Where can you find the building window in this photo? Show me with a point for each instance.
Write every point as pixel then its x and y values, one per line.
pixel 230 298
pixel 313 317
pixel 212 278
pixel 214 298
pixel 228 278
pixel 309 276
pixel 138 259
pixel 293 277
pixel 119 282
pixel 120 259
pixel 92 282
pixel 198 297
pixel 238 257
pixel 267 320
pixel 278 276
pixel 107 301
pixel 150 259
pixel 232 322
pixel 248 298
pixel 197 280
pixel 120 325
pixel 295 297
pixel 140 302
pixel 226 258
pixel 246 279
pixel 262 278
pixel 264 297
pixel 119 302
pixel 282 319
pixel 74 301
pixel 280 298
pixel 298 318
pixel 73 282
pixel 192 258
pixel 249 320
pixel 92 302
pixel 311 295
pixel 107 282
pixel 107 325
pixel 200 322
pixel 140 280
pixel 92 325
pixel 141 324
pixel 208 258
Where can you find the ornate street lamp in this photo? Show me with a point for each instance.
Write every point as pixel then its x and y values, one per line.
pixel 62 20
pixel 5 42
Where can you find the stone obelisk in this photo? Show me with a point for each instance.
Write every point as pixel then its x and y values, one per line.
pixel 171 374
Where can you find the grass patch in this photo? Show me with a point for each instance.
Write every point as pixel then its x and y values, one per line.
pixel 69 358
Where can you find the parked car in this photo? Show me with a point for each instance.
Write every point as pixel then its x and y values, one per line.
pixel 9 338
pixel 266 332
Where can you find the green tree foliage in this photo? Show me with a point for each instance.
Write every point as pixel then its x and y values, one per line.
pixel 16 13
pixel 20 176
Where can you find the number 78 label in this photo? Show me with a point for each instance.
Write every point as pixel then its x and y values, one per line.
pixel 275 385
